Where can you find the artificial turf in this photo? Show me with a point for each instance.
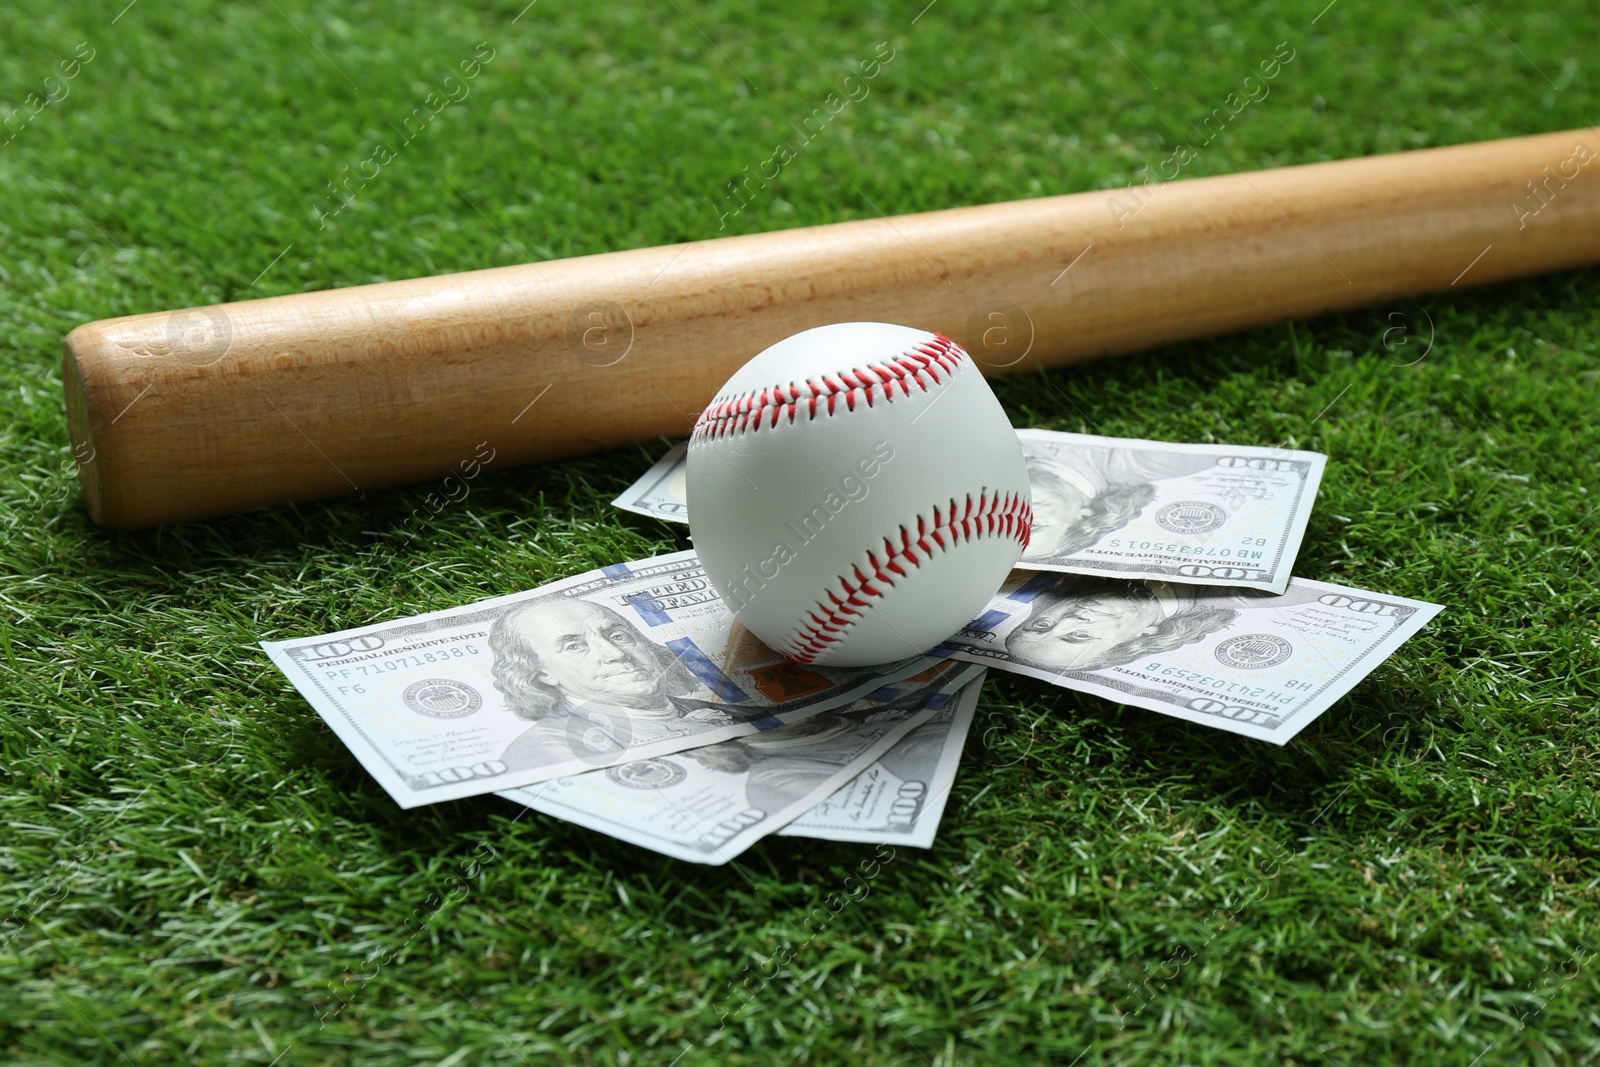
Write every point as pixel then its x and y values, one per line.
pixel 192 869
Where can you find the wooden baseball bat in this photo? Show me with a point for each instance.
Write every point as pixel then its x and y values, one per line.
pixel 196 413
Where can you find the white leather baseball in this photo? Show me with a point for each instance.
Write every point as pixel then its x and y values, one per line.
pixel 856 493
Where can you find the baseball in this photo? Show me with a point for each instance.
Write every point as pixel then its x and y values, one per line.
pixel 856 493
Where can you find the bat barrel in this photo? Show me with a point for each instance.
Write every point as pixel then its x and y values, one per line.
pixel 191 414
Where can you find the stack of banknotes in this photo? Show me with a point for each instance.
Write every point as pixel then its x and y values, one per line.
pixel 630 701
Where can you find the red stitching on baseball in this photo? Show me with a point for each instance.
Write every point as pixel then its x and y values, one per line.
pixel 934 360
pixel 1008 516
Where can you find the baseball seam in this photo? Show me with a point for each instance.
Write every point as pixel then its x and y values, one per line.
pixel 1003 515
pixel 765 407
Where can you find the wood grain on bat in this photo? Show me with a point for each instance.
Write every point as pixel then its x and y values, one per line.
pixel 197 413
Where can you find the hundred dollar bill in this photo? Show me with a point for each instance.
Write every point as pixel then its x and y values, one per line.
pixel 1254 663
pixel 661 491
pixel 899 799
pixel 629 662
pixel 1196 514
pixel 707 805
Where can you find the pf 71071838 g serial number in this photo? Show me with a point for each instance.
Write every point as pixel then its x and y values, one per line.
pixel 400 663
pixel 1245 550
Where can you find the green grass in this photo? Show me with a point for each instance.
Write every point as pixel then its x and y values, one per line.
pixel 193 869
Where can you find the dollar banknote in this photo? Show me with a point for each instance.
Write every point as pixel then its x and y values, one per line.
pixel 661 491
pixel 1254 663
pixel 629 662
pixel 899 799
pixel 707 805
pixel 1196 514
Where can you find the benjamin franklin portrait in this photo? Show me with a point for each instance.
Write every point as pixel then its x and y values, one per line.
pixel 1083 624
pixel 781 766
pixel 1083 492
pixel 591 684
